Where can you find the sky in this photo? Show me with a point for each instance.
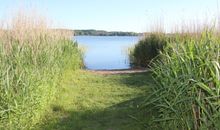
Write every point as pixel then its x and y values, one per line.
pixel 117 15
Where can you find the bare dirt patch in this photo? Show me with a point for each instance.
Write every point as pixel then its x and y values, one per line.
pixel 118 71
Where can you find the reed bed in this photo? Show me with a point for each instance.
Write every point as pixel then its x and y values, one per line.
pixel 33 58
pixel 187 74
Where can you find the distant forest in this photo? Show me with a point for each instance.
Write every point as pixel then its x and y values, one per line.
pixel 92 32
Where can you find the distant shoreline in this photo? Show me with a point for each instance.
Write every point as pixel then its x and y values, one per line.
pixel 92 32
pixel 107 35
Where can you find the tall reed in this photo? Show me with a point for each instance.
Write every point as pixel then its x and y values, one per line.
pixel 187 75
pixel 33 58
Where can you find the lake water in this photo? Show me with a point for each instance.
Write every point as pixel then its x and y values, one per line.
pixel 106 52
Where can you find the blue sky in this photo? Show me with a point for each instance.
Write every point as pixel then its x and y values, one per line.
pixel 117 15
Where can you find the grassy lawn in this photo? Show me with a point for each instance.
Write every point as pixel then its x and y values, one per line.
pixel 90 101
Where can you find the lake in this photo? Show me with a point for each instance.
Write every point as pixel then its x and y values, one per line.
pixel 106 52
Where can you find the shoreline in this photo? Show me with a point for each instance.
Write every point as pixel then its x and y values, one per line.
pixel 119 71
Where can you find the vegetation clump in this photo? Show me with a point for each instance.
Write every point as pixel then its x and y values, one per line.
pixel 187 76
pixel 147 49
pixel 33 57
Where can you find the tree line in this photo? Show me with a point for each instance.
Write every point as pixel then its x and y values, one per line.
pixel 92 32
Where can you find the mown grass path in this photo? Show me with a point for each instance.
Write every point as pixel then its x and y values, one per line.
pixel 91 101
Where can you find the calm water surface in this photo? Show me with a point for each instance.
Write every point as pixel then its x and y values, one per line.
pixel 106 52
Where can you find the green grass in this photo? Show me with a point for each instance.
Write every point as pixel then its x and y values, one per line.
pixel 96 102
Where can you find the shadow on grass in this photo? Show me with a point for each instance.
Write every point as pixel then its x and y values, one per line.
pixel 126 115
pixel 137 79
pixel 123 116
